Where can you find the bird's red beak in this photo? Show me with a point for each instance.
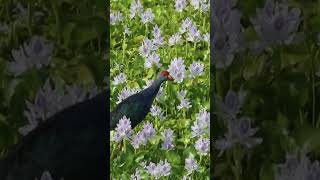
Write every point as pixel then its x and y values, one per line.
pixel 170 78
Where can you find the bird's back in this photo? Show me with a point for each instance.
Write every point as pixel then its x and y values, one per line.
pixel 71 144
pixel 135 107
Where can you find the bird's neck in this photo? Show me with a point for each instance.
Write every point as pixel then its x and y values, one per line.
pixel 154 88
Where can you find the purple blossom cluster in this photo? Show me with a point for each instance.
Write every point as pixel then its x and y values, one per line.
pixel 202 124
pixel 239 130
pixel 196 69
pixel 298 166
pixel 184 102
pixel 191 164
pixel 202 146
pixel 125 93
pixel 177 69
pixel 167 137
pixel 142 137
pixel 35 54
pixel 123 129
pixel 188 26
pixel 49 100
pixel 119 79
pixel 156 111
pixel 162 169
pixel 116 17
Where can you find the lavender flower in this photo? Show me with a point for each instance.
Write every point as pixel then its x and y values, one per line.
pixel 206 37
pixel 174 39
pixel 177 69
pixel 159 170
pixel 152 58
pixel 49 101
pixel 227 34
pixel 231 105
pixel 127 31
pixel 184 102
pixel 45 176
pixel 148 132
pixel 202 146
pixel 194 34
pixel 276 24
pixel 136 175
pixel 156 112
pixel 202 124
pixel 239 132
pixel 195 4
pixel 158 39
pixel 196 69
pixel 125 93
pixel 147 16
pixel 135 8
pixel 167 137
pixel 191 164
pixel 116 17
pixel 186 24
pixel 298 166
pixel 119 79
pixel 123 129
pixel 36 54
pixel 180 5
pixel 146 47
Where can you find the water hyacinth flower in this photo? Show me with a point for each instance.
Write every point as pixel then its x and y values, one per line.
pixel 35 54
pixel 196 69
pixel 177 69
pixel 206 37
pixel 146 47
pixel 127 31
pixel 167 137
pixel 230 107
pixel 174 39
pixel 135 8
pixel 119 79
pixel 152 59
pixel 276 24
pixel 162 169
pixel 239 132
pixel 156 112
pixel 180 5
pixel 45 176
pixel 142 137
pixel 123 129
pixel 202 124
pixel 49 101
pixel 147 16
pixel 116 17
pixel 298 166
pixel 125 93
pixel 136 175
pixel 227 34
pixel 202 146
pixel 184 102
pixel 158 39
pixel 191 164
pixel 186 24
pixel 193 34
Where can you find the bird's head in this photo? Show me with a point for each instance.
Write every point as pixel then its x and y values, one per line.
pixel 165 74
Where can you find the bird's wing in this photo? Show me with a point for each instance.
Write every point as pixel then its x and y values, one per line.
pixel 130 108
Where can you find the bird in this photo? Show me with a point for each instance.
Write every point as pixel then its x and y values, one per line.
pixel 72 144
pixel 137 106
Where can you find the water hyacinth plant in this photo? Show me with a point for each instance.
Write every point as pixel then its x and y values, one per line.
pixel 266 93
pixel 147 37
